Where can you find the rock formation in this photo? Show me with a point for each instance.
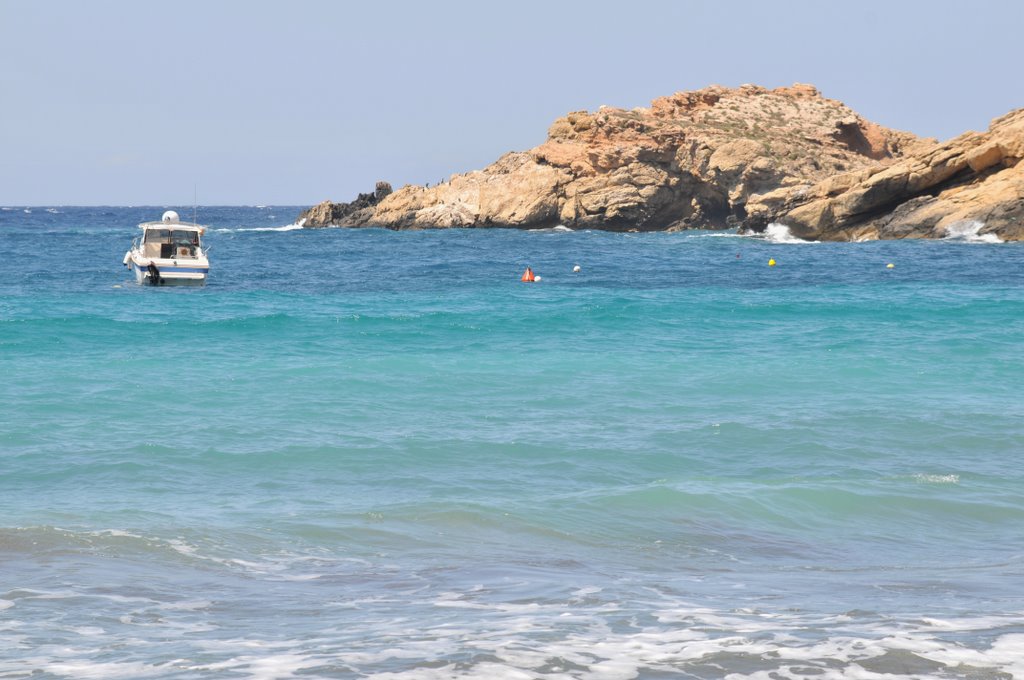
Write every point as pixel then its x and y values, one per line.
pixel 358 211
pixel 691 160
pixel 972 182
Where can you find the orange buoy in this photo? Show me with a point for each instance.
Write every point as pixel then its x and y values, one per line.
pixel 528 276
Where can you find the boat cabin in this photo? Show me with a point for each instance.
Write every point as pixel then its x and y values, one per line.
pixel 170 239
pixel 170 243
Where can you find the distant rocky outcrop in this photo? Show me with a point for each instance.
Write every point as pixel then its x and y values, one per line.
pixel 359 211
pixel 974 182
pixel 691 160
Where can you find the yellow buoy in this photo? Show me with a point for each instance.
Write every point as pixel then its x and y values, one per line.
pixel 890 266
pixel 771 263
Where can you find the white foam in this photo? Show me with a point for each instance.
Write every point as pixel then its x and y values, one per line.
pixel 557 229
pixel 691 635
pixel 937 479
pixel 780 233
pixel 256 663
pixel 287 227
pixel 586 633
pixel 180 546
pixel 88 631
pixel 300 577
pixel 81 668
pixel 970 623
pixel 278 666
pixel 115 532
pixel 187 606
pixel 5 604
pixel 540 642
pixel 1006 653
pixel 717 234
pixel 967 231
pixel 258 567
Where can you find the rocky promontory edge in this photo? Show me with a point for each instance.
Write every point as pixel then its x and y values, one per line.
pixel 713 159
pixel 359 211
pixel 972 182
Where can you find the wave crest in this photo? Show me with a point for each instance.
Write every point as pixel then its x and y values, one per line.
pixel 776 233
pixel 288 227
pixel 969 231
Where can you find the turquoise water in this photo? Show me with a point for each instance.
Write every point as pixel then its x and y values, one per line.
pixel 378 454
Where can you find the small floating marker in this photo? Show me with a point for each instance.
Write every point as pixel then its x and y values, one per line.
pixel 528 276
pixel 771 263
pixel 890 266
pixel 536 278
pixel 576 269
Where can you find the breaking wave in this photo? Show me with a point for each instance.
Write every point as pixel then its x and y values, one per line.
pixel 969 231
pixel 780 233
pixel 287 227
pixel 585 634
pixel 557 229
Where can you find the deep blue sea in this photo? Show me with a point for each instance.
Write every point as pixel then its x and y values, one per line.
pixel 366 453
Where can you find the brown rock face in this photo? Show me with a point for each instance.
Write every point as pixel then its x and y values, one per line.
pixel 974 181
pixel 691 160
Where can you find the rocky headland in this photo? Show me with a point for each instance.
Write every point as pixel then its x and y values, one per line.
pixel 972 183
pixel 718 158
pixel 691 160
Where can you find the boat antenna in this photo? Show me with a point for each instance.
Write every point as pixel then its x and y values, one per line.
pixel 195 192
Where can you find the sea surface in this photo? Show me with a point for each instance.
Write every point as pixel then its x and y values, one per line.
pixel 366 453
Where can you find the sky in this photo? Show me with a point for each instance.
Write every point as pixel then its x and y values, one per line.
pixel 125 102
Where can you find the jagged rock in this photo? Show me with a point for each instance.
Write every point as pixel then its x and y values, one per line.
pixel 691 160
pixel 976 178
pixel 356 213
pixel 381 191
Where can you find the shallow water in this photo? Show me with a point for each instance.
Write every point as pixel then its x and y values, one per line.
pixel 362 453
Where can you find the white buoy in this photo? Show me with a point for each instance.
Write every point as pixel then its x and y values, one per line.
pixel 576 269
pixel 536 278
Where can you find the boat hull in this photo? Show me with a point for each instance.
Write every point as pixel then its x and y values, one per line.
pixel 169 272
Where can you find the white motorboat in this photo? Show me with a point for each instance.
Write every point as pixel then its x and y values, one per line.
pixel 169 252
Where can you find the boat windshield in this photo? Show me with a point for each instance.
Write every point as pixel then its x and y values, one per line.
pixel 171 242
pixel 172 236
